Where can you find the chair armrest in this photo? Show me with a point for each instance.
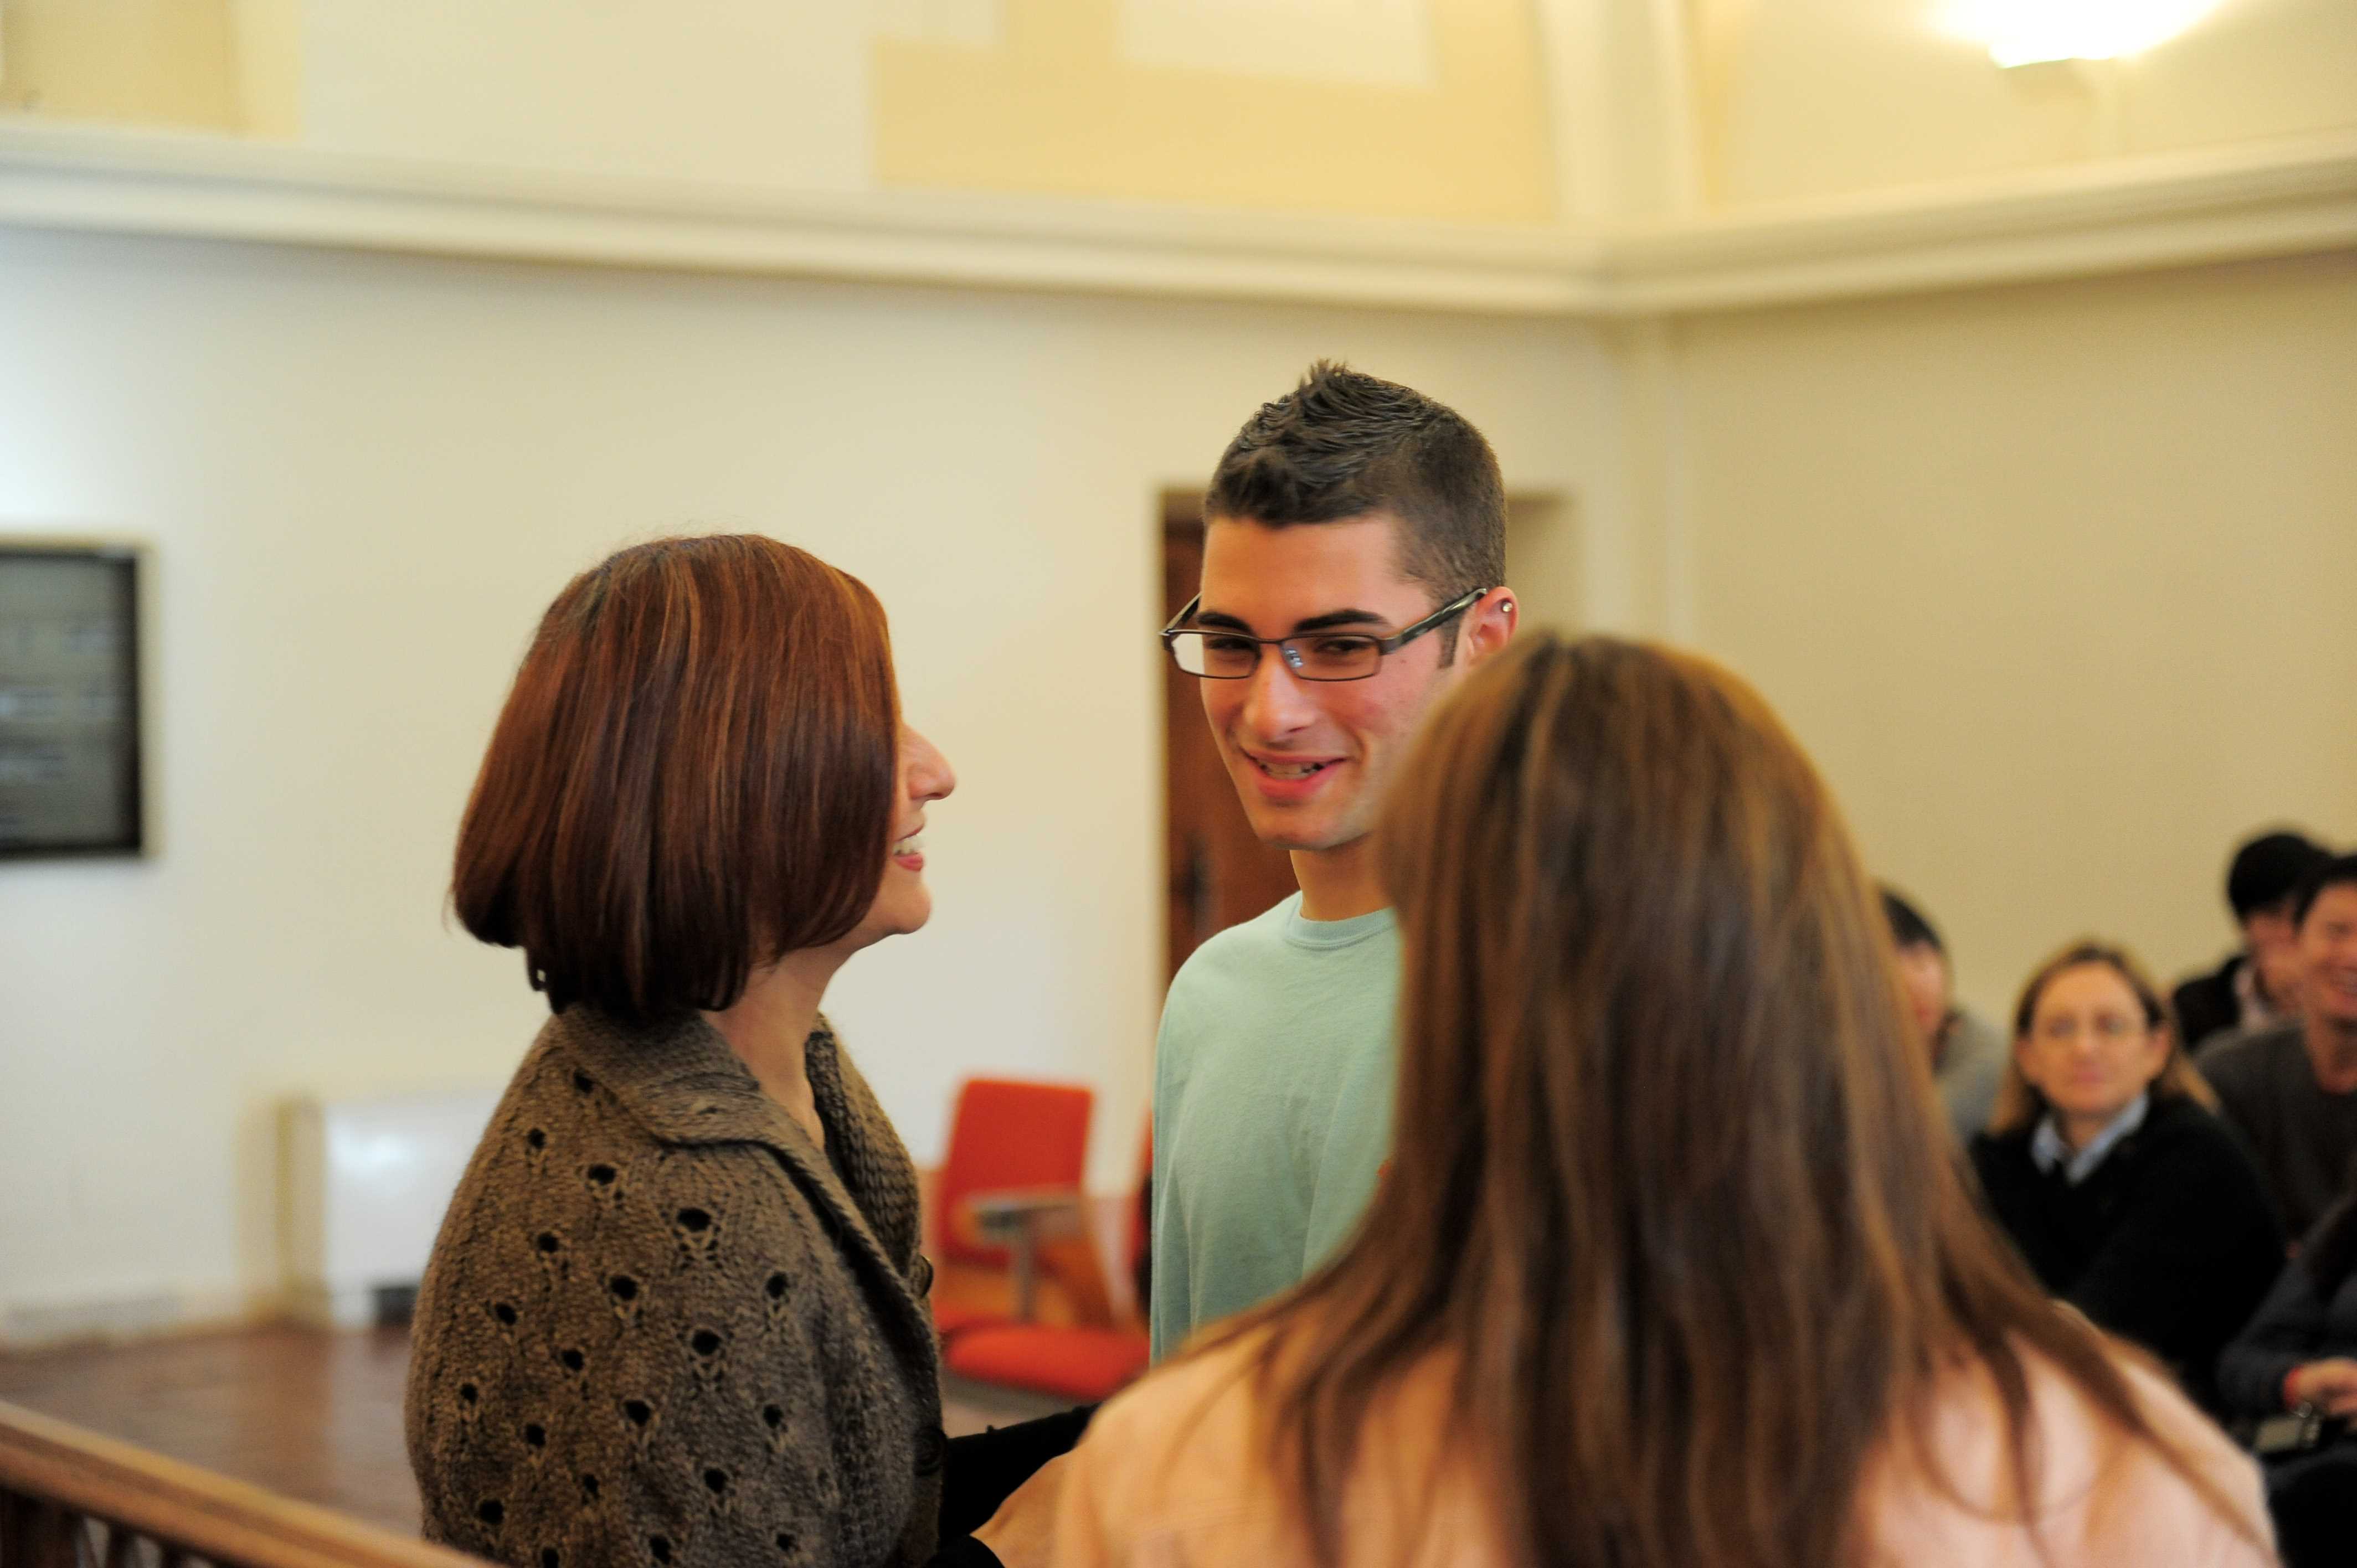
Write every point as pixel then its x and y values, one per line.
pixel 1043 1210
pixel 1020 1218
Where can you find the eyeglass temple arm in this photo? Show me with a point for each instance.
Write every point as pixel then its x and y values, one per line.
pixel 1407 635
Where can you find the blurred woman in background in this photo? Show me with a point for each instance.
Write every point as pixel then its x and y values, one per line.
pixel 1672 1267
pixel 2107 1164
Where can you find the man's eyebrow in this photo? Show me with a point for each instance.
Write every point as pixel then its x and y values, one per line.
pixel 1333 618
pixel 1327 622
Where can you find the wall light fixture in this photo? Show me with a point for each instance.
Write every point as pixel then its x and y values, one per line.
pixel 2029 32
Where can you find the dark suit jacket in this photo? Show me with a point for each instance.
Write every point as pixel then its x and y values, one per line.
pixel 2301 1320
pixel 2206 1003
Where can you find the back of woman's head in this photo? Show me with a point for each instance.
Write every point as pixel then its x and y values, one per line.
pixel 1647 966
pixel 1669 1190
pixel 1653 1049
pixel 692 775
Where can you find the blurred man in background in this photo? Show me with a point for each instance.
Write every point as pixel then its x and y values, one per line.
pixel 2259 985
pixel 2292 1088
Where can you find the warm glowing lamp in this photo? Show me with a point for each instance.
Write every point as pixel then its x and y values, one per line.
pixel 2027 32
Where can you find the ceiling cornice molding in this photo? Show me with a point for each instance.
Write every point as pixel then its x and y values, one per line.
pixel 70 178
pixel 2276 198
pixel 2279 198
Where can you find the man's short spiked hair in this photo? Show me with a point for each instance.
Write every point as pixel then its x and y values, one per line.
pixel 1343 444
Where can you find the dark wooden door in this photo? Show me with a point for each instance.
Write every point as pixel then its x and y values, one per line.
pixel 1220 873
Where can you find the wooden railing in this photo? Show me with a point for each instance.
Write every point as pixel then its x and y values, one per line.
pixel 70 1499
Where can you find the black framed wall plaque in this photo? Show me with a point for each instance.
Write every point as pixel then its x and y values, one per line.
pixel 69 700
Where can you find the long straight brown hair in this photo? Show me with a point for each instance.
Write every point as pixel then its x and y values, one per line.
pixel 1669 1196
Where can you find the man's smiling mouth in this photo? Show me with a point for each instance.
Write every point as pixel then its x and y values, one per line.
pixel 1280 767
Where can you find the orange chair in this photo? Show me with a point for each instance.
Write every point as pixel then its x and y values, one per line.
pixel 1017 1144
pixel 1083 1362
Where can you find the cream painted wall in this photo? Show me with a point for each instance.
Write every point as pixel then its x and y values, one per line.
pixel 1801 99
pixel 364 476
pixel 2054 582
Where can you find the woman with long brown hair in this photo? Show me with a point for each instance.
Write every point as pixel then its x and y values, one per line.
pixel 2108 1165
pixel 1672 1267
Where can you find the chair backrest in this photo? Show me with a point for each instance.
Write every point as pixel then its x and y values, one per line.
pixel 1141 1214
pixel 1139 1242
pixel 70 1499
pixel 1009 1134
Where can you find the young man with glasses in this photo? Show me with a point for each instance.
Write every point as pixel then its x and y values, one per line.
pixel 1353 563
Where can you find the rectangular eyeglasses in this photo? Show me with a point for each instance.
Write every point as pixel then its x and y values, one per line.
pixel 1219 655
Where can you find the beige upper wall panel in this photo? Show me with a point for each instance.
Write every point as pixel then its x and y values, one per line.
pixel 1813 98
pixel 750 92
pixel 1063 103
pixel 268 45
pixel 150 62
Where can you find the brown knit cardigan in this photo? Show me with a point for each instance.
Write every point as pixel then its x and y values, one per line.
pixel 663 1329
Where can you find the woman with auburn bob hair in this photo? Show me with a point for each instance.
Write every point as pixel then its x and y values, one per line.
pixel 676 1314
pixel 2107 1164
pixel 1672 1267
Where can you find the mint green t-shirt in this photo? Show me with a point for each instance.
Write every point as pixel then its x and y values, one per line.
pixel 1272 1108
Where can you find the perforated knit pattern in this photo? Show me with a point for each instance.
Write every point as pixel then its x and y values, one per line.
pixel 663 1329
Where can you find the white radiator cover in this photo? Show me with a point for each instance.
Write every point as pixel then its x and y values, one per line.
pixel 366 1182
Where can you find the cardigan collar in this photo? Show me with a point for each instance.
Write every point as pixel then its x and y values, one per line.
pixel 678 1078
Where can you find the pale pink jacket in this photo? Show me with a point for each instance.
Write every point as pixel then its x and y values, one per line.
pixel 1166 1479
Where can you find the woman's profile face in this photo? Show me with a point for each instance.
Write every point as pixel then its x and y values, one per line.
pixel 2090 1050
pixel 903 903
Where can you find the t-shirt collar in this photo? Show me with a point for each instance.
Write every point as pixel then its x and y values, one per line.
pixel 1308 933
